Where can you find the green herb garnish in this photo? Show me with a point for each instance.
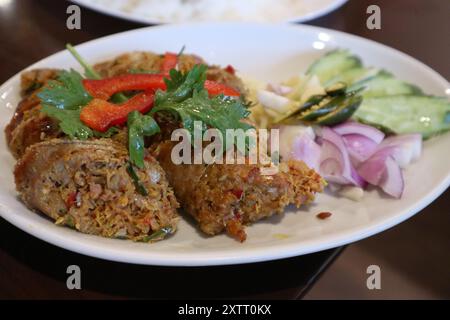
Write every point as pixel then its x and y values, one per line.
pixel 138 127
pixel 107 134
pixel 137 183
pixel 90 73
pixel 69 122
pixel 67 92
pixel 187 98
pixel 181 51
pixel 159 234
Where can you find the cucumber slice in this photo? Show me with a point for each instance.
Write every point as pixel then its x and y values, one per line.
pixel 353 75
pixel 407 114
pixel 333 63
pixel 385 85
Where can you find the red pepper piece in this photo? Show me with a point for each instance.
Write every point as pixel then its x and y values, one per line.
pixel 71 198
pixel 100 114
pixel 237 193
pixel 105 88
pixel 215 88
pixel 229 68
pixel 169 62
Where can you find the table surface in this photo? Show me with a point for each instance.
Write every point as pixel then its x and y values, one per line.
pixel 30 268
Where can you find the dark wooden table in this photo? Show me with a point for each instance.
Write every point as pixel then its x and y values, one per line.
pixel 29 268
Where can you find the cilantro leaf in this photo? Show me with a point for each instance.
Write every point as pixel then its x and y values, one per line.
pixel 181 86
pixel 89 72
pixel 107 134
pixel 138 127
pixel 69 122
pixel 67 92
pixel 187 99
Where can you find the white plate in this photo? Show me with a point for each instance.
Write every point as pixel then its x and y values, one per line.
pixel 267 52
pixel 157 11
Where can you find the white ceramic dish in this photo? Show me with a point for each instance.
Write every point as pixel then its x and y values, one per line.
pixel 267 52
pixel 144 11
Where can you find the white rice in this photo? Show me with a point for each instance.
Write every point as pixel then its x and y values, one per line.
pixel 215 10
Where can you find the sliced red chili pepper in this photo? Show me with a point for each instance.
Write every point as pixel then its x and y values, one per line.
pixel 215 88
pixel 229 68
pixel 105 88
pixel 100 114
pixel 169 62
pixel 70 201
pixel 237 193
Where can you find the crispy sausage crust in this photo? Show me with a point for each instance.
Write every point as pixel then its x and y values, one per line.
pixel 226 197
pixel 149 61
pixel 28 125
pixel 85 185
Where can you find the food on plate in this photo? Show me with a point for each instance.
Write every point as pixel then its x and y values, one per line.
pixel 223 196
pixel 94 170
pixel 29 125
pixel 228 197
pixel 95 152
pixel 86 185
pixel 175 11
pixel 355 125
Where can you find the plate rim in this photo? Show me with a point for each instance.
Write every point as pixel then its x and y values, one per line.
pixel 252 254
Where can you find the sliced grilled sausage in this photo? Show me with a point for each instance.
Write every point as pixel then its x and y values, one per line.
pixel 86 185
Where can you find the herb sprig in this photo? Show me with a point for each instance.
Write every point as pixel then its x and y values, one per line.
pixel 187 99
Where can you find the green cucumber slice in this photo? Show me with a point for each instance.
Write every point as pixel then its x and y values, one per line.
pixel 427 115
pixel 353 75
pixel 333 63
pixel 386 85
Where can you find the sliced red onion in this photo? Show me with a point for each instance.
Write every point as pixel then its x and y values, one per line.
pixel 352 127
pixel 382 170
pixel 404 148
pixel 372 169
pixel 335 162
pixel 359 147
pixel 392 182
pixel 297 142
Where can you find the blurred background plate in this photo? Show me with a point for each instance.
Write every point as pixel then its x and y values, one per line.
pixel 175 11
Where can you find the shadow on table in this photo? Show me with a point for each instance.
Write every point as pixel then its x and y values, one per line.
pixel 31 258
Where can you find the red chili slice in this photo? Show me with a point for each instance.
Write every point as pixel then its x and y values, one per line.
pixel 100 114
pixel 105 88
pixel 170 61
